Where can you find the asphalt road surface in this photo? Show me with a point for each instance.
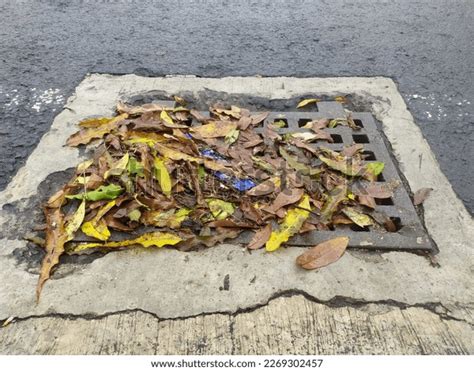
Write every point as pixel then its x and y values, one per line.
pixel 47 47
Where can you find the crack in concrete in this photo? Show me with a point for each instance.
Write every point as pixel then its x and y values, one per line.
pixel 335 302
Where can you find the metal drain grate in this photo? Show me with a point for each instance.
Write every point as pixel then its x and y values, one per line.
pixel 410 235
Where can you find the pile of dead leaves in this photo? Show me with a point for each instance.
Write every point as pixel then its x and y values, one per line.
pixel 173 176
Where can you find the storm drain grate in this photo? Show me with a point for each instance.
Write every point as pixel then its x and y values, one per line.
pixel 410 234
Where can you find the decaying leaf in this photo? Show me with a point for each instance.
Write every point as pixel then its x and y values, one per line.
pixel 86 135
pixel 357 217
pixel 287 197
pixel 170 218
pixel 260 237
pixel 118 167
pixel 323 254
pixel 56 237
pixel 421 195
pixel 215 129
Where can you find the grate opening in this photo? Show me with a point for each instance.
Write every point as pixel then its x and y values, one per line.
pixel 384 201
pixel 336 138
pixel 360 138
pixel 357 228
pixel 359 123
pixel 303 122
pixel 369 156
pixel 281 122
pixel 397 222
pixel 380 178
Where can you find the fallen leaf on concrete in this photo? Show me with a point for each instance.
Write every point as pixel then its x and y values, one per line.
pixel 56 237
pixel 421 195
pixel 323 254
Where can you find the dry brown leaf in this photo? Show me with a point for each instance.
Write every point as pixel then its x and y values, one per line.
pixel 323 254
pixel 260 237
pixel 259 117
pixel 285 198
pixel 421 195
pixel 56 237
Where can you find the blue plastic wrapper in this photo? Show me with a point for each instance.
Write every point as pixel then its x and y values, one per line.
pixel 241 185
pixel 212 154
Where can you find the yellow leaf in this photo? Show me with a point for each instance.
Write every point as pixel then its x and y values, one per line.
pixel 292 223
pixel 166 117
pixel 76 221
pixel 305 102
pixel 220 209
pixel 98 230
pixel 95 122
pixel 215 129
pixel 358 218
pixel 169 218
pixel 85 135
pixel 163 176
pixel 83 166
pixel 158 239
pixel 175 155
pixel 118 167
pixel 97 227
pixel 82 179
pixel 135 136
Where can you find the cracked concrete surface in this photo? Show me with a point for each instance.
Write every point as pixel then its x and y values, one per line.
pixel 287 325
pixel 170 284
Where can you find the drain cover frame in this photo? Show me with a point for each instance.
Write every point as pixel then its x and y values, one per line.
pixel 412 234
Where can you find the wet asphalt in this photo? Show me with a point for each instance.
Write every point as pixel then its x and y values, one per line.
pixel 47 47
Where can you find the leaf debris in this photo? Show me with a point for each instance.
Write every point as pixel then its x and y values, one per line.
pixel 175 177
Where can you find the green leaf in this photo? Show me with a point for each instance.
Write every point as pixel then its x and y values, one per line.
pixel 135 167
pixel 375 168
pixel 108 192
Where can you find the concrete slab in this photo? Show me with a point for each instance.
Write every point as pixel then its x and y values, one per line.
pixel 172 284
pixel 289 325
